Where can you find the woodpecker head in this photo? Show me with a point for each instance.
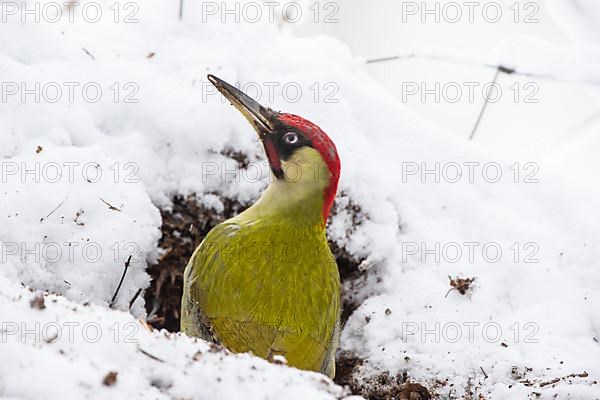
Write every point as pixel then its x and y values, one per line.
pixel 301 156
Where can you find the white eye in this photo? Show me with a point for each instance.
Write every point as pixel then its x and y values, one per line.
pixel 291 138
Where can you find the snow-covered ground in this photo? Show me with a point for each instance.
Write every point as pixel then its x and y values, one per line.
pixel 102 122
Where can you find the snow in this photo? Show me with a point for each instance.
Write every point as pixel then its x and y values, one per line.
pixel 158 128
pixel 67 239
pixel 68 349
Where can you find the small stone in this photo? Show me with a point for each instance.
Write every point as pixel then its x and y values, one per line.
pixel 110 379
pixel 38 302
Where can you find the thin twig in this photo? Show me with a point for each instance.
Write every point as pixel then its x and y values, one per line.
pixel 52 212
pixel 485 103
pixel 484 374
pixel 471 63
pixel 134 298
pixel 110 206
pixel 180 10
pixel 584 374
pixel 112 301
pixel 386 59
pixel 88 53
pixel 144 352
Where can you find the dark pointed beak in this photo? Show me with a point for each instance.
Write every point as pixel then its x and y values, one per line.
pixel 260 117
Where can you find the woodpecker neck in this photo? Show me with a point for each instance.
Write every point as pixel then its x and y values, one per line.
pixel 304 194
pixel 283 200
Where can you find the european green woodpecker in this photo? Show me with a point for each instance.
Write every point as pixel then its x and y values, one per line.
pixel 265 281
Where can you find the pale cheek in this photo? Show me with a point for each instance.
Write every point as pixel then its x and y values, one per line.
pixel 307 167
pixel 293 171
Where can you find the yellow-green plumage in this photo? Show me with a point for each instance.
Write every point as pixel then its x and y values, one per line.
pixel 265 281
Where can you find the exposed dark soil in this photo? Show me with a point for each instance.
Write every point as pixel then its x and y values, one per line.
pixel 184 226
pixel 378 387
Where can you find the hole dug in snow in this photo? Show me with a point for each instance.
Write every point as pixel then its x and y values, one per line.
pixel 187 222
pixel 189 219
pixel 184 226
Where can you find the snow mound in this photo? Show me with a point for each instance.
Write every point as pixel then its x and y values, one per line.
pixel 71 350
pixel 156 128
